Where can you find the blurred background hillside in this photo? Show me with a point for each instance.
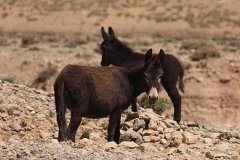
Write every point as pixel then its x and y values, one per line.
pixel 39 37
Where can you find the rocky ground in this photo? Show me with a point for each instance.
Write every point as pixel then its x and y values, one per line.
pixel 29 131
pixel 39 38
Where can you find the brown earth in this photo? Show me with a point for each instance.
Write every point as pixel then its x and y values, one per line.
pixel 39 36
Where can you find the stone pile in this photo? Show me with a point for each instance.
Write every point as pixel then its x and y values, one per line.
pixel 29 130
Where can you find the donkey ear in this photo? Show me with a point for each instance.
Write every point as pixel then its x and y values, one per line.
pixel 104 35
pixel 111 33
pixel 161 56
pixel 148 56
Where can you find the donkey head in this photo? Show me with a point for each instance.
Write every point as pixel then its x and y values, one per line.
pixel 113 51
pixel 153 73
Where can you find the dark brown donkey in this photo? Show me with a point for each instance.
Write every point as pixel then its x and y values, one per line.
pixel 96 92
pixel 116 53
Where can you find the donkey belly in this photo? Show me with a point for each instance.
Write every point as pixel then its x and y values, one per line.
pixel 98 111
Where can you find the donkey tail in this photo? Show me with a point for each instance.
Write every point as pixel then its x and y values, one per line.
pixel 60 109
pixel 181 84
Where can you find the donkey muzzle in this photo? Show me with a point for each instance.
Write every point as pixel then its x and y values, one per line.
pixel 152 95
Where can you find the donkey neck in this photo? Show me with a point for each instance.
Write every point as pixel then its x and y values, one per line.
pixel 137 80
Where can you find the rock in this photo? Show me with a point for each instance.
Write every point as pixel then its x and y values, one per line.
pixel 177 135
pixel 209 155
pixel 154 139
pixel 94 136
pixel 128 124
pixel 146 139
pixel 189 138
pixel 219 155
pixel 138 123
pixel 182 148
pixel 16 127
pixel 208 141
pixel 176 142
pixel 110 146
pixel 152 125
pixel 44 135
pixel 54 141
pixel 136 137
pixel 168 136
pixel 132 115
pixel 128 144
pixel 223 148
pixel 160 130
pixel 168 130
pixel 149 132
pixel 55 135
pixel 163 141
pixel 16 113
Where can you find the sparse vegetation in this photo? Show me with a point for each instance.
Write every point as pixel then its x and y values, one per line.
pixel 159 107
pixel 205 52
pixel 45 74
pixel 4 15
pixel 85 133
pixel 141 148
pixel 10 78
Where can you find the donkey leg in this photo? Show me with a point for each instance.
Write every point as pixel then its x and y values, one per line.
pixel 114 124
pixel 75 121
pixel 176 100
pixel 134 105
pixel 117 132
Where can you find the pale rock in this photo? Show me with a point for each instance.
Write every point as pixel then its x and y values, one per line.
pixel 94 136
pixel 149 132
pixel 55 135
pixel 154 138
pixel 16 127
pixel 160 130
pixel 182 148
pixel 39 116
pixel 128 144
pixel 162 124
pixel 170 151
pixel 16 113
pixel 163 141
pixel 136 137
pixel 146 139
pixel 177 135
pixel 214 135
pixel 44 135
pixel 152 125
pixel 219 155
pixel 176 142
pixel 168 136
pixel 168 130
pixel 189 138
pixel 127 124
pixel 208 141
pixel 110 146
pixel 54 141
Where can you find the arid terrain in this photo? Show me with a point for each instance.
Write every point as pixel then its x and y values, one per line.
pixel 39 38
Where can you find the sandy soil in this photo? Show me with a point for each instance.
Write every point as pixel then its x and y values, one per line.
pixel 36 35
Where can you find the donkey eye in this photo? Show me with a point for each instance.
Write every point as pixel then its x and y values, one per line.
pixel 145 76
pixel 160 77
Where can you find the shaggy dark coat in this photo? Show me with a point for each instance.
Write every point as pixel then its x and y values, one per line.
pixel 96 92
pixel 116 53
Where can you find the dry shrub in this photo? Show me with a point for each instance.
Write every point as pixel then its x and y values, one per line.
pixel 27 40
pixel 145 41
pixel 205 52
pixel 44 75
pixel 195 44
